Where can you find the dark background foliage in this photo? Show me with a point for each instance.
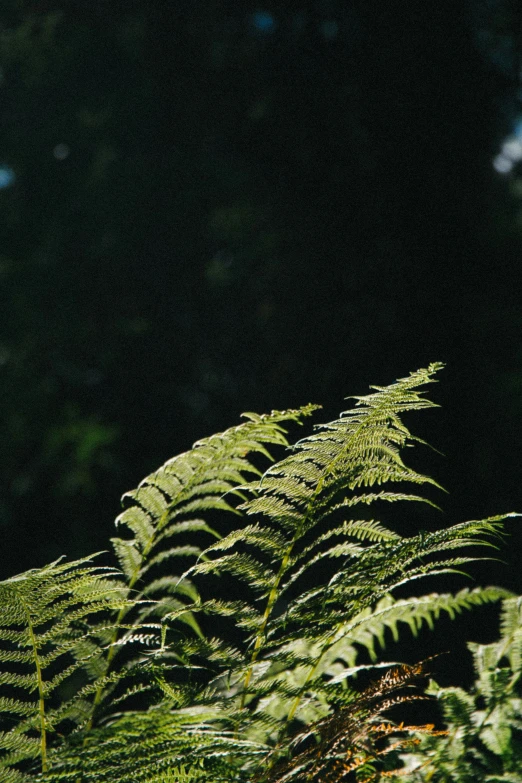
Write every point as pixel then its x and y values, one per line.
pixel 209 207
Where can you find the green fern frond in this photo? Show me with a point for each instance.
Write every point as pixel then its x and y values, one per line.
pixel 146 746
pixel 163 505
pixel 43 634
pixel 373 571
pixel 193 482
pixel 295 493
pixel 196 481
pixel 360 529
pixel 370 626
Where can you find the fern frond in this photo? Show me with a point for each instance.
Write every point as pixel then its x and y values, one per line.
pixel 196 481
pixel 43 635
pixel 146 746
pixel 192 482
pixel 360 529
pixel 373 571
pixel 370 626
pixel 164 504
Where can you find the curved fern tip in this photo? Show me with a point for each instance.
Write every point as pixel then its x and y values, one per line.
pixel 292 414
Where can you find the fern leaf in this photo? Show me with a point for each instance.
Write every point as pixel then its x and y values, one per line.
pixel 39 615
pixel 164 503
pixel 196 481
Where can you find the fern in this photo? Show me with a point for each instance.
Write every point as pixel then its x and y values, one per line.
pixel 326 473
pixel 44 641
pixel 164 507
pixel 257 682
pixel 149 746
pixel 348 739
pixel 194 482
pixel 484 726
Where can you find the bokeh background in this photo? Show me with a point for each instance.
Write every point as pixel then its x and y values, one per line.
pixel 209 207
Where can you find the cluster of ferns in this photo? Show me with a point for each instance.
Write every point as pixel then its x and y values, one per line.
pixel 239 633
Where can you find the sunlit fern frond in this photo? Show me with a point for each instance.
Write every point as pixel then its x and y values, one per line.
pixel 173 502
pixel 169 501
pixel 369 573
pixel 322 477
pixel 368 628
pixel 45 643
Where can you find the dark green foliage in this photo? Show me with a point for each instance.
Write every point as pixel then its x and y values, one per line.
pixel 244 663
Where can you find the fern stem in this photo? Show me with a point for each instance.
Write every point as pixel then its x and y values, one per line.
pixel 293 709
pixel 310 510
pixel 272 598
pixel 40 683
